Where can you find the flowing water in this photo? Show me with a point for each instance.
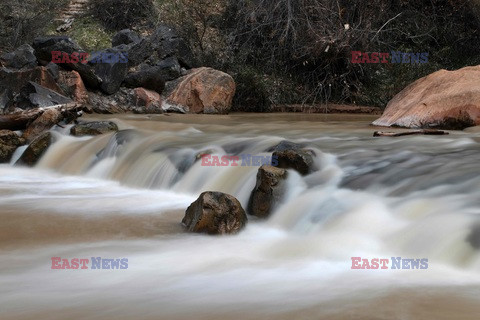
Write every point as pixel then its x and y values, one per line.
pixel 124 195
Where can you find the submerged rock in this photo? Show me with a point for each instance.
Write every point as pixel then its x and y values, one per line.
pixel 292 156
pixel 447 100
pixel 36 149
pixel 93 128
pixel 215 213
pixel 268 191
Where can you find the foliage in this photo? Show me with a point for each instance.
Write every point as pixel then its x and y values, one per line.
pixel 116 15
pixel 23 20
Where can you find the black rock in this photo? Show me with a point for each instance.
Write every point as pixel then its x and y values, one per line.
pixel 22 57
pixel 54 70
pixel 139 52
pixel 45 45
pixel 34 95
pixel 111 66
pixel 148 78
pixel 125 36
pixel 168 43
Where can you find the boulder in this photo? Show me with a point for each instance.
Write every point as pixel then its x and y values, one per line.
pixel 54 70
pixel 6 152
pixel 36 149
pixel 292 156
pixel 204 90
pixel 111 72
pixel 447 100
pixel 9 142
pixel 147 101
pixel 125 36
pixel 268 191
pixel 43 123
pixel 166 41
pixel 140 51
pixel 15 80
pixel 22 57
pixel 34 95
pixel 72 84
pixel 120 102
pixel 215 213
pixel 45 45
pixel 149 78
pixel 93 128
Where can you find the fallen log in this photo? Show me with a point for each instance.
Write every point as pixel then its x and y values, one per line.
pixel 431 132
pixel 21 120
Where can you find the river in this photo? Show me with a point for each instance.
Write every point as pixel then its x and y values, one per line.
pixel 124 195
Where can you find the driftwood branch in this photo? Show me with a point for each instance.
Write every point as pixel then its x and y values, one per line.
pixel 21 120
pixel 409 133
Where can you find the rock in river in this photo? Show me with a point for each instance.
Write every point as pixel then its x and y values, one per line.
pixel 215 213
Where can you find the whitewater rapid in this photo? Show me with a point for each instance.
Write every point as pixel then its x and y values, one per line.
pixel 124 195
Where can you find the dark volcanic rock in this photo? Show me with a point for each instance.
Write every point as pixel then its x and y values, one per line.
pixel 149 78
pixel 168 43
pixel 139 52
pixel 93 128
pixel 34 95
pixel 45 45
pixel 53 69
pixel 22 57
pixel 36 149
pixel 215 213
pixel 111 67
pixel 119 102
pixel 268 191
pixel 125 36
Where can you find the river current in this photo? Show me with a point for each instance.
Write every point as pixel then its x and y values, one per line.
pixel 124 195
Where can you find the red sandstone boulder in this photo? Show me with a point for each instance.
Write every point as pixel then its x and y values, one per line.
pixel 147 101
pixel 71 82
pixel 204 90
pixel 443 100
